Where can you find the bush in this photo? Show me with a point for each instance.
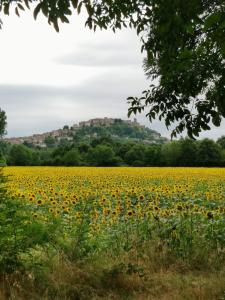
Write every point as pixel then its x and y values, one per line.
pixel 17 233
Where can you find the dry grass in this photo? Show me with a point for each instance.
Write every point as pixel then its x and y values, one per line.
pixel 109 277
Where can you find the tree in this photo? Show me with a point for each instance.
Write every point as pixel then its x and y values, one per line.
pixel 221 142
pixel 188 152
pixel 102 155
pixel 64 142
pixel 106 139
pixel 122 149
pixel 222 164
pixel 185 52
pixel 20 155
pixel 3 145
pixel 209 153
pixel 153 155
pixel 136 155
pixel 71 158
pixel 50 141
pixel 83 148
pixel 28 144
pixel 66 127
pixel 171 153
pixel 35 158
pixel 2 123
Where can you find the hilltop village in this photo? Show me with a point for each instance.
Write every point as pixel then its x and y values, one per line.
pixel 69 133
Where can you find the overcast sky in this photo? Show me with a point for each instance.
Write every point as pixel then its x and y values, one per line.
pixel 49 79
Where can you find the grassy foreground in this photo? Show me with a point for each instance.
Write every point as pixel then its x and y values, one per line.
pixel 113 233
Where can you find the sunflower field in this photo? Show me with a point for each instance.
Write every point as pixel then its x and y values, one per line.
pixel 93 209
pixel 113 232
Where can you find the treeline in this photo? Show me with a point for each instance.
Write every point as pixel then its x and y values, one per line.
pixel 105 151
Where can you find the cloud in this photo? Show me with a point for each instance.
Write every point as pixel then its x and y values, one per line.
pixel 37 108
pixel 105 55
pixel 106 85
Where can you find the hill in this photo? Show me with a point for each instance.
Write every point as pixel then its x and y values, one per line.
pixel 86 131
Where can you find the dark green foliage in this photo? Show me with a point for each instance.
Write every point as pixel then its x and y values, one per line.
pixel 171 154
pixel 221 142
pixel 4 147
pixel 188 152
pixel 71 158
pixel 10 221
pixel 83 148
pixel 136 155
pixel 153 155
pixel 106 151
pixel 17 233
pixel 2 122
pixel 122 149
pixel 50 141
pixel 102 155
pixel 20 155
pixel 117 130
pixel 106 140
pixel 35 158
pixel 45 156
pixel 185 53
pixel 209 153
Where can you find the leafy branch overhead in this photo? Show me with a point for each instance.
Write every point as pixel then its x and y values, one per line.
pixel 2 122
pixel 185 52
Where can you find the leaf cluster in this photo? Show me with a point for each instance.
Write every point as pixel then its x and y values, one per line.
pixel 2 122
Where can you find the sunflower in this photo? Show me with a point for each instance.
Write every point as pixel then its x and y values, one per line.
pixel 130 213
pixel 209 215
pixel 156 208
pixel 179 207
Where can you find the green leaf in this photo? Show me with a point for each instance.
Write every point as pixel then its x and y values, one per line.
pixel 79 7
pixel 216 120
pixel 64 19
pixel 21 6
pixel 17 11
pixel 75 3
pixel 205 126
pixel 45 10
pixel 6 9
pixel 89 9
pixel 130 111
pixel 190 29
pixel 89 23
pixel 37 10
pixel 27 3
pixel 212 20
pixel 56 26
